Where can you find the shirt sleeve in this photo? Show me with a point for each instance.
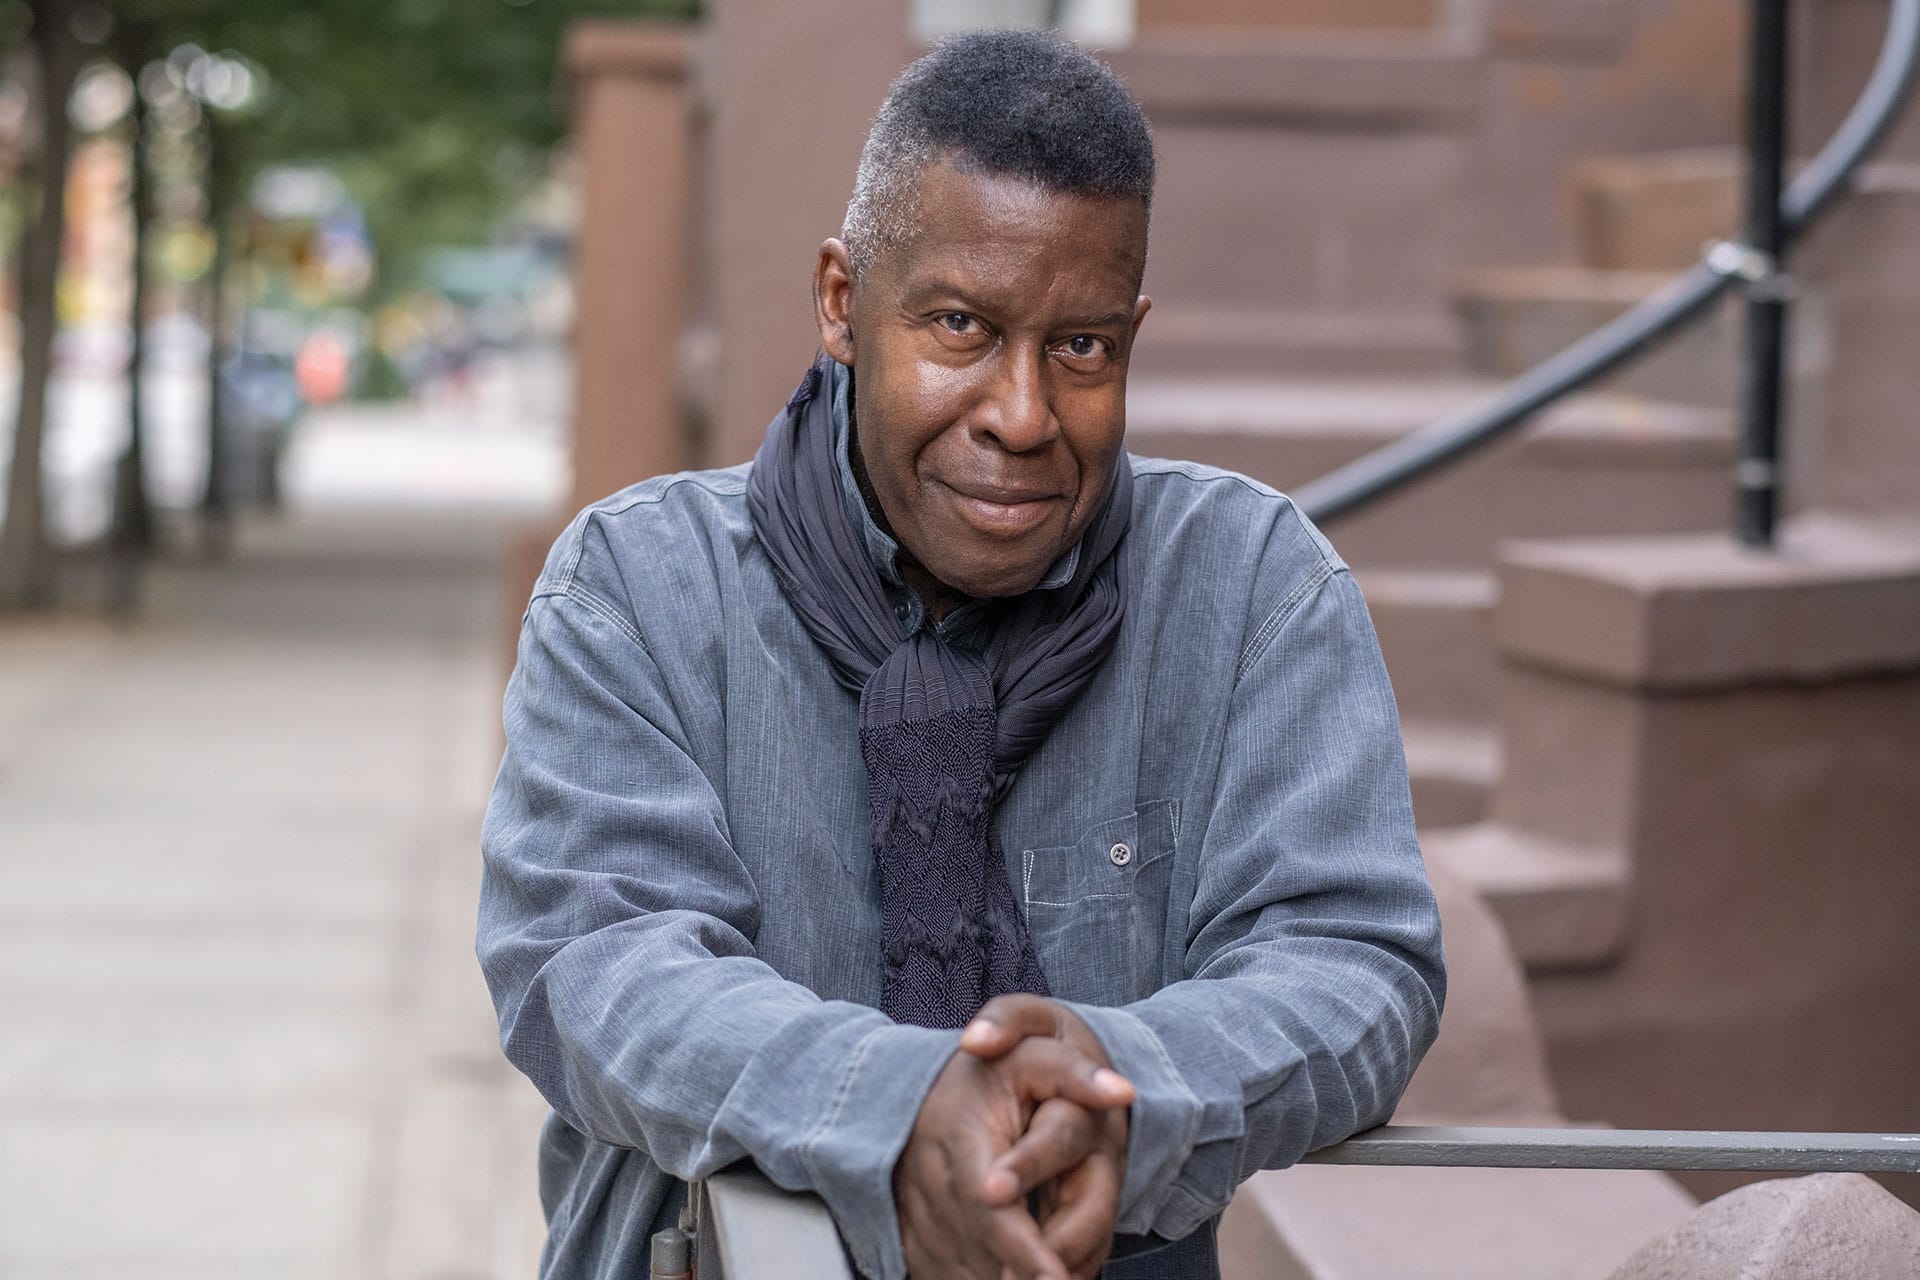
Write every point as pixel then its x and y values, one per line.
pixel 615 933
pixel 1313 977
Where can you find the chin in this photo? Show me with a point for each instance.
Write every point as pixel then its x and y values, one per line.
pixel 987 567
pixel 995 583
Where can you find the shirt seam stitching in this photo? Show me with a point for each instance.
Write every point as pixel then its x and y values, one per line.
pixel 1270 627
pixel 1152 1209
pixel 580 595
pixel 809 1144
pixel 610 507
pixel 647 498
pixel 845 1088
pixel 1177 467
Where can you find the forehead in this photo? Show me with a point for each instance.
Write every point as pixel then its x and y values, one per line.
pixel 991 232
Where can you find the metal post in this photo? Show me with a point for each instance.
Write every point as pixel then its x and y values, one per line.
pixel 1757 473
pixel 671 1257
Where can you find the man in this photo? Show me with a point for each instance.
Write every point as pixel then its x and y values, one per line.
pixel 947 713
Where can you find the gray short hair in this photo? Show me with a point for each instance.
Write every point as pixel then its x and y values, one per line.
pixel 1021 104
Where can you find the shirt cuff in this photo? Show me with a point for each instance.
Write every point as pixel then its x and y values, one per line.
pixel 1183 1133
pixel 842 1141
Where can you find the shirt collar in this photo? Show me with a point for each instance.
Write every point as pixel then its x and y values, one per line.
pixel 882 551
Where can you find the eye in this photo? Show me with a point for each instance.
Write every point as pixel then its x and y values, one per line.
pixel 957 322
pixel 1085 351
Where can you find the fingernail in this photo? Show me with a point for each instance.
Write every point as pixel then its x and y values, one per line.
pixel 977 1031
pixel 1112 1081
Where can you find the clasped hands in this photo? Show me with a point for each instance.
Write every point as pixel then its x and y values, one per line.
pixel 1014 1165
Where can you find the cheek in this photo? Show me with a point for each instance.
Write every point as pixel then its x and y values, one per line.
pixel 920 410
pixel 937 394
pixel 1095 424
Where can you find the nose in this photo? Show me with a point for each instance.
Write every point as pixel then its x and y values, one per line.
pixel 1017 413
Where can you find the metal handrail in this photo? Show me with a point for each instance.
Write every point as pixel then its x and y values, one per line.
pixel 1626 336
pixel 1754 1152
pixel 745 1228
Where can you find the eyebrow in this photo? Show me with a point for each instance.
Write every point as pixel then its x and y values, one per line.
pixel 971 302
pixel 946 289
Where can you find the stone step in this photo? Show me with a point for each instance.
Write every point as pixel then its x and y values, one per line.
pixel 1432 626
pixel 1653 212
pixel 1294 229
pixel 1202 337
pixel 1264 17
pixel 1563 905
pixel 1453 768
pixel 1598 463
pixel 1515 317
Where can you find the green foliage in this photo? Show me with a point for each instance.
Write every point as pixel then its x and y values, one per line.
pixel 436 113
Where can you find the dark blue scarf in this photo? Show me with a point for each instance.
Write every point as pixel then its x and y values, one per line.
pixel 943 731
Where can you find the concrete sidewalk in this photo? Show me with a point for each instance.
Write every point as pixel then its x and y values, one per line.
pixel 242 1033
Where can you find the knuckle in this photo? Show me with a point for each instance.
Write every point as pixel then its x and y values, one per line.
pixel 1067 1140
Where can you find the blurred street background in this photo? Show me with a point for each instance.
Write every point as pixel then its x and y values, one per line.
pixel 252 629
pixel 244 1032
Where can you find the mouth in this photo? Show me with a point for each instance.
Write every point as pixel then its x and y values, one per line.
pixel 1000 511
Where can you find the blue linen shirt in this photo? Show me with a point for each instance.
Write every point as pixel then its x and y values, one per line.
pixel 680 913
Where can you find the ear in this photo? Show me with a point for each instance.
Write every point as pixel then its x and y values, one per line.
pixel 1141 305
pixel 833 301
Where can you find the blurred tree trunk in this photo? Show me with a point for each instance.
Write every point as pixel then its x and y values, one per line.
pixel 215 508
pixel 132 515
pixel 25 553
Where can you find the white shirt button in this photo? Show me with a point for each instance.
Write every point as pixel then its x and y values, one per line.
pixel 1120 855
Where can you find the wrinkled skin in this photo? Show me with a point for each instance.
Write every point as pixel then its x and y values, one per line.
pixel 990 354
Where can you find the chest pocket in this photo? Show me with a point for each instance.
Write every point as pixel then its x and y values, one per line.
pixel 1097 908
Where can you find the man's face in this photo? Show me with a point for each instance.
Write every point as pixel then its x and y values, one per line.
pixel 990 356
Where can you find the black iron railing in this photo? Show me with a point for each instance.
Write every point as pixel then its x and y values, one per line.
pixel 1756 475
pixel 1754 265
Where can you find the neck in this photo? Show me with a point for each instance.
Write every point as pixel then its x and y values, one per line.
pixel 939 598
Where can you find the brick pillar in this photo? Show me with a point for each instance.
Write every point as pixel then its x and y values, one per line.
pixel 632 127
pixel 631 278
pixel 792 89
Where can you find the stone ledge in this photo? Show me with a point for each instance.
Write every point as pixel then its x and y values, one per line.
pixel 1210 341
pixel 1701 612
pixel 1347 80
pixel 637 50
pixel 1591 31
pixel 1376 411
pixel 1325 1221
pixel 1452 771
pixel 1562 905
pixel 1879 212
